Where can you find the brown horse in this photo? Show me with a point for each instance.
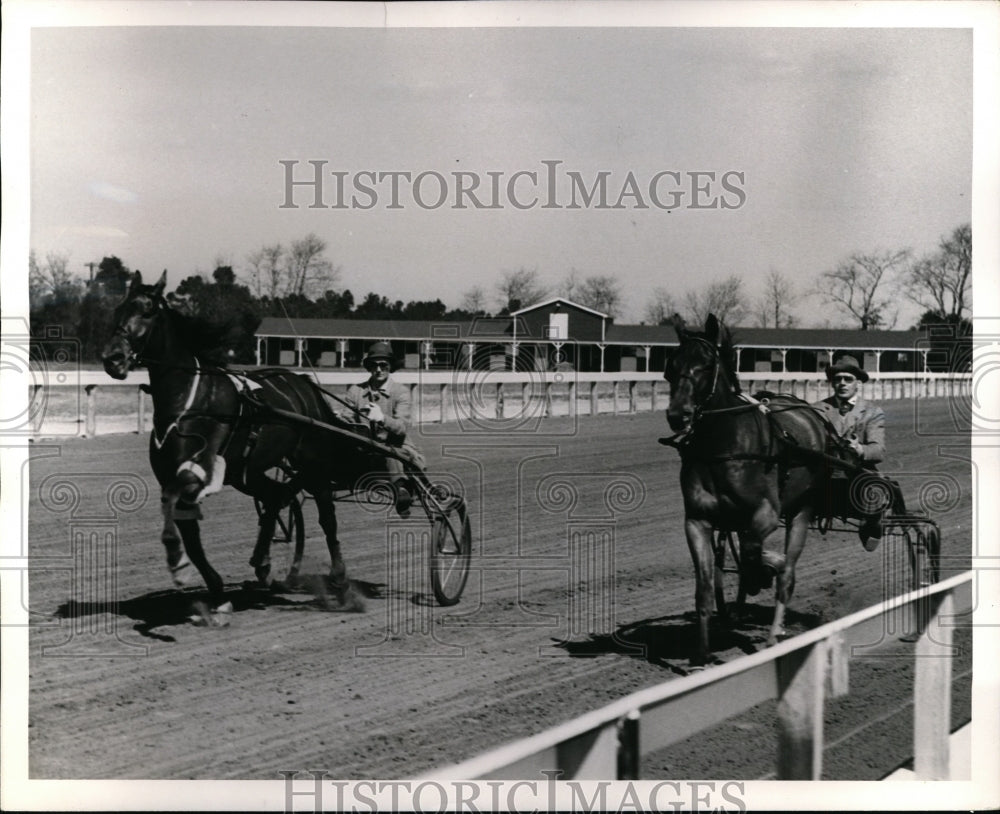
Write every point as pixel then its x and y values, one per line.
pixel 205 434
pixel 745 465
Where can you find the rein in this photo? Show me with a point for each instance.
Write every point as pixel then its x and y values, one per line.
pixel 682 440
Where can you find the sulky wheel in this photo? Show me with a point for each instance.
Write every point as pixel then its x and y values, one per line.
pixel 451 551
pixel 288 542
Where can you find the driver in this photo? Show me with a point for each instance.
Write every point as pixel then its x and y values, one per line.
pixel 861 426
pixel 385 403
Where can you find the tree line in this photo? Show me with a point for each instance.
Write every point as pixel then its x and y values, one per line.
pixel 299 281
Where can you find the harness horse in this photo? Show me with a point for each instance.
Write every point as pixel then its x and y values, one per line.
pixel 212 427
pixel 748 466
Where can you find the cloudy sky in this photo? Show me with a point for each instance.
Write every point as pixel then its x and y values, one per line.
pixel 162 145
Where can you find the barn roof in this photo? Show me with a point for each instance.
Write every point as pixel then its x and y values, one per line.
pixel 499 329
pixel 562 301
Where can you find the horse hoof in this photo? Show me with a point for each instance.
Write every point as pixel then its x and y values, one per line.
pixel 776 637
pixel 263 574
pixel 345 598
pixel 183 573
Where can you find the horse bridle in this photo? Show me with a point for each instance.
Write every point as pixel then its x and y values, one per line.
pixel 716 364
pixel 134 357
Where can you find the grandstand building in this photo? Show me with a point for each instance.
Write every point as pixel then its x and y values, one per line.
pixel 558 332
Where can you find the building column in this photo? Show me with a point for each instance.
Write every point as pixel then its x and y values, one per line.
pixel 300 344
pixel 342 349
pixel 784 358
pixel 428 352
pixel 647 349
pixel 738 352
pixel 923 353
pixel 601 348
pixel 558 346
pixel 515 348
pixel 471 348
pixel 878 361
pixel 260 339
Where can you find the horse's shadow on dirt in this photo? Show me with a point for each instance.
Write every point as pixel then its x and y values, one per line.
pixel 670 641
pixel 168 608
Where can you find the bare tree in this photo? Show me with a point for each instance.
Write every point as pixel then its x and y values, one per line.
pixel 602 292
pixel 570 286
pixel 308 272
pixel 51 280
pixel 859 285
pixel 942 281
pixel 266 270
pixel 723 298
pixel 773 307
pixel 661 308
pixel 518 289
pixel 474 300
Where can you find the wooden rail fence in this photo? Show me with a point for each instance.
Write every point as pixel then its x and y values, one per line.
pixel 608 744
pixel 78 399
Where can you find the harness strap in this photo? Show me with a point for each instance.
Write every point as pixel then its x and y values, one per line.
pixel 159 442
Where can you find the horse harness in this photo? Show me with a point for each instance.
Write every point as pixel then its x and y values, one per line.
pixel 681 441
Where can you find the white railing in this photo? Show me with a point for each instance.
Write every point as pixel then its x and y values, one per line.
pixel 77 400
pixel 608 744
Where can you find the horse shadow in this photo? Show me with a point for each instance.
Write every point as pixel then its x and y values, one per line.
pixel 669 641
pixel 158 610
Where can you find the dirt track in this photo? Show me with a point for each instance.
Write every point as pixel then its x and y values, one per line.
pixel 407 686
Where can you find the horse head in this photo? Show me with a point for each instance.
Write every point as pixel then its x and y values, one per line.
pixel 695 370
pixel 133 323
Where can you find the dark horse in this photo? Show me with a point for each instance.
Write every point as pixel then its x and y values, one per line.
pixel 203 426
pixel 745 465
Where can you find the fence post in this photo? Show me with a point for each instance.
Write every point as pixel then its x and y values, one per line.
pixel 614 397
pixel 36 408
pixel 932 686
pixel 90 427
pixel 444 400
pixel 652 398
pixel 499 401
pixel 801 680
pixel 571 407
pixel 141 410
pixel 631 397
pixel 547 408
pixel 629 756
pixel 594 405
pixel 525 397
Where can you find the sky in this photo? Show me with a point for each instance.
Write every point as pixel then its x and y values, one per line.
pixel 162 145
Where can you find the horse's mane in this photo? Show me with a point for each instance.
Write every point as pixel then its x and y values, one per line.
pixel 208 340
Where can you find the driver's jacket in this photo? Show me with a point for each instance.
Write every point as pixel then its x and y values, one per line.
pixel 394 401
pixel 865 421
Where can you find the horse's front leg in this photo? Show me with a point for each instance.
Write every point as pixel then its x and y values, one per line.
pixel 186 516
pixel 181 568
pixel 346 593
pixel 699 539
pixel 795 541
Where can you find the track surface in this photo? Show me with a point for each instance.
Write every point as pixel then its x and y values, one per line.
pixel 406 686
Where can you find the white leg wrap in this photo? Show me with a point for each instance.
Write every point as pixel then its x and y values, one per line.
pixel 196 468
pixel 218 476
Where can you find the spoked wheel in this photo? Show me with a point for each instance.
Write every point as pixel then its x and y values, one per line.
pixel 923 547
pixel 287 544
pixel 451 551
